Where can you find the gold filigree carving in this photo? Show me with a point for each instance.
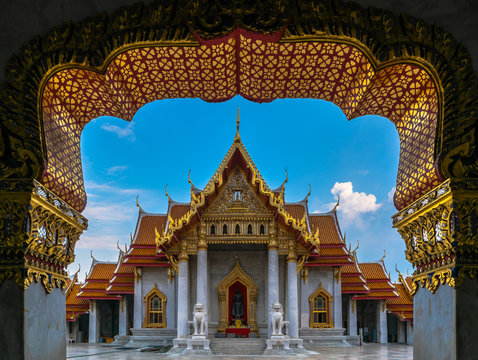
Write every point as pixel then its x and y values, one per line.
pixel 433 280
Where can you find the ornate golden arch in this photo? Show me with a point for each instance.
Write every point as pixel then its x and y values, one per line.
pixel 329 304
pixel 237 274
pixel 154 291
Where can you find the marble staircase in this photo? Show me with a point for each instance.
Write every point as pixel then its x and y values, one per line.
pixel 238 346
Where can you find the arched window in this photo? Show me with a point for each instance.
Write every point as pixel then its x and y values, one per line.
pixel 155 309
pixel 261 230
pixel 224 229
pixel 249 229
pixel 238 229
pixel 213 230
pixel 320 309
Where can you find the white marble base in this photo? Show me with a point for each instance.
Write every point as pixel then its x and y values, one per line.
pixel 197 344
pixel 277 344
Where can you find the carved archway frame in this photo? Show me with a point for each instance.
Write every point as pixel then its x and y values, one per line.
pixel 92 42
pixel 237 274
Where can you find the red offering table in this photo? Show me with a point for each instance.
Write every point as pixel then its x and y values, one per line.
pixel 238 331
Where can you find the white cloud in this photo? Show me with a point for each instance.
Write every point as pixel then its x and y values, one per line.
pixel 115 170
pixel 354 204
pixel 91 185
pixel 126 132
pixel 97 241
pixel 112 212
pixel 390 194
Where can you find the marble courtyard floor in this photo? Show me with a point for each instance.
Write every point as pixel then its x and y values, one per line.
pixel 366 352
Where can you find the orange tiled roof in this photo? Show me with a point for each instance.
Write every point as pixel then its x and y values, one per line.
pixel 377 281
pixel 120 289
pixel 352 279
pixel 145 228
pixel 297 211
pixel 98 280
pixel 75 306
pixel 102 271
pixel 122 280
pixel 373 271
pixel 142 252
pixel 402 306
pixel 177 211
pixel 73 301
pixel 328 229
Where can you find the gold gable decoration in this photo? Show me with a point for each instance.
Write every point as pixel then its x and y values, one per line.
pixel 237 196
pixel 276 200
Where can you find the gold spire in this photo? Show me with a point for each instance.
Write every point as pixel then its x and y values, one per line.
pixel 237 138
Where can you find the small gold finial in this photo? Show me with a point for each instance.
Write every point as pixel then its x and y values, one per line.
pixel 383 257
pixel 338 203
pixel 137 204
pixel 237 138
pixel 166 192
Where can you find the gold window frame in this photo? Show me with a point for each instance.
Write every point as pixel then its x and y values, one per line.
pixel 329 323
pixel 147 308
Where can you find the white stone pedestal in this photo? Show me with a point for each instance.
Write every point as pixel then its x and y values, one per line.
pixel 197 344
pixel 277 344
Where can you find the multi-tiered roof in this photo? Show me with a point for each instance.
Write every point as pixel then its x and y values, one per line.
pixel 402 306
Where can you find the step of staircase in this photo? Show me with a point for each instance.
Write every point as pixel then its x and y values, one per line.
pixel 241 346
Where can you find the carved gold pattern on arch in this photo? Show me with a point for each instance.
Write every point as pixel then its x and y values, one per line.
pixel 237 274
pixel 404 92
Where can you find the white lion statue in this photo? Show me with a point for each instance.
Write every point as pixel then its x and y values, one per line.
pixel 277 317
pixel 199 319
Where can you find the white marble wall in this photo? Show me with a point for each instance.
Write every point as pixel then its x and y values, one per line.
pixel 325 277
pixel 158 276
pixel 254 263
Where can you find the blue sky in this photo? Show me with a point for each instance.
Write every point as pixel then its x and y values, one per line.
pixel 312 139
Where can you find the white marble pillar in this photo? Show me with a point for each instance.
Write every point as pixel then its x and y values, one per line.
pixel 401 329
pixel 201 283
pixel 94 322
pixel 304 299
pixel 292 294
pixel 202 278
pixel 272 283
pixel 381 322
pixel 123 317
pixel 337 301
pixel 409 333
pixel 183 297
pixel 352 317
pixel 75 332
pixel 138 314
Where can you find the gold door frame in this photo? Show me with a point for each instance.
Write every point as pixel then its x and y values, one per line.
pixel 237 274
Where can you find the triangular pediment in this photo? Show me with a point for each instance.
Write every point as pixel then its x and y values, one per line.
pixel 237 196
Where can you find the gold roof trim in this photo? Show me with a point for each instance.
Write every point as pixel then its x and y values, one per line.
pixel 217 180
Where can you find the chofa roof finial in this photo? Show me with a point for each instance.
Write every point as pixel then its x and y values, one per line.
pixel 338 203
pixel 166 192
pixel 237 138
pixel 138 205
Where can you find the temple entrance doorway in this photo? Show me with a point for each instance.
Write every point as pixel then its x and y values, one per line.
pixel 237 294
